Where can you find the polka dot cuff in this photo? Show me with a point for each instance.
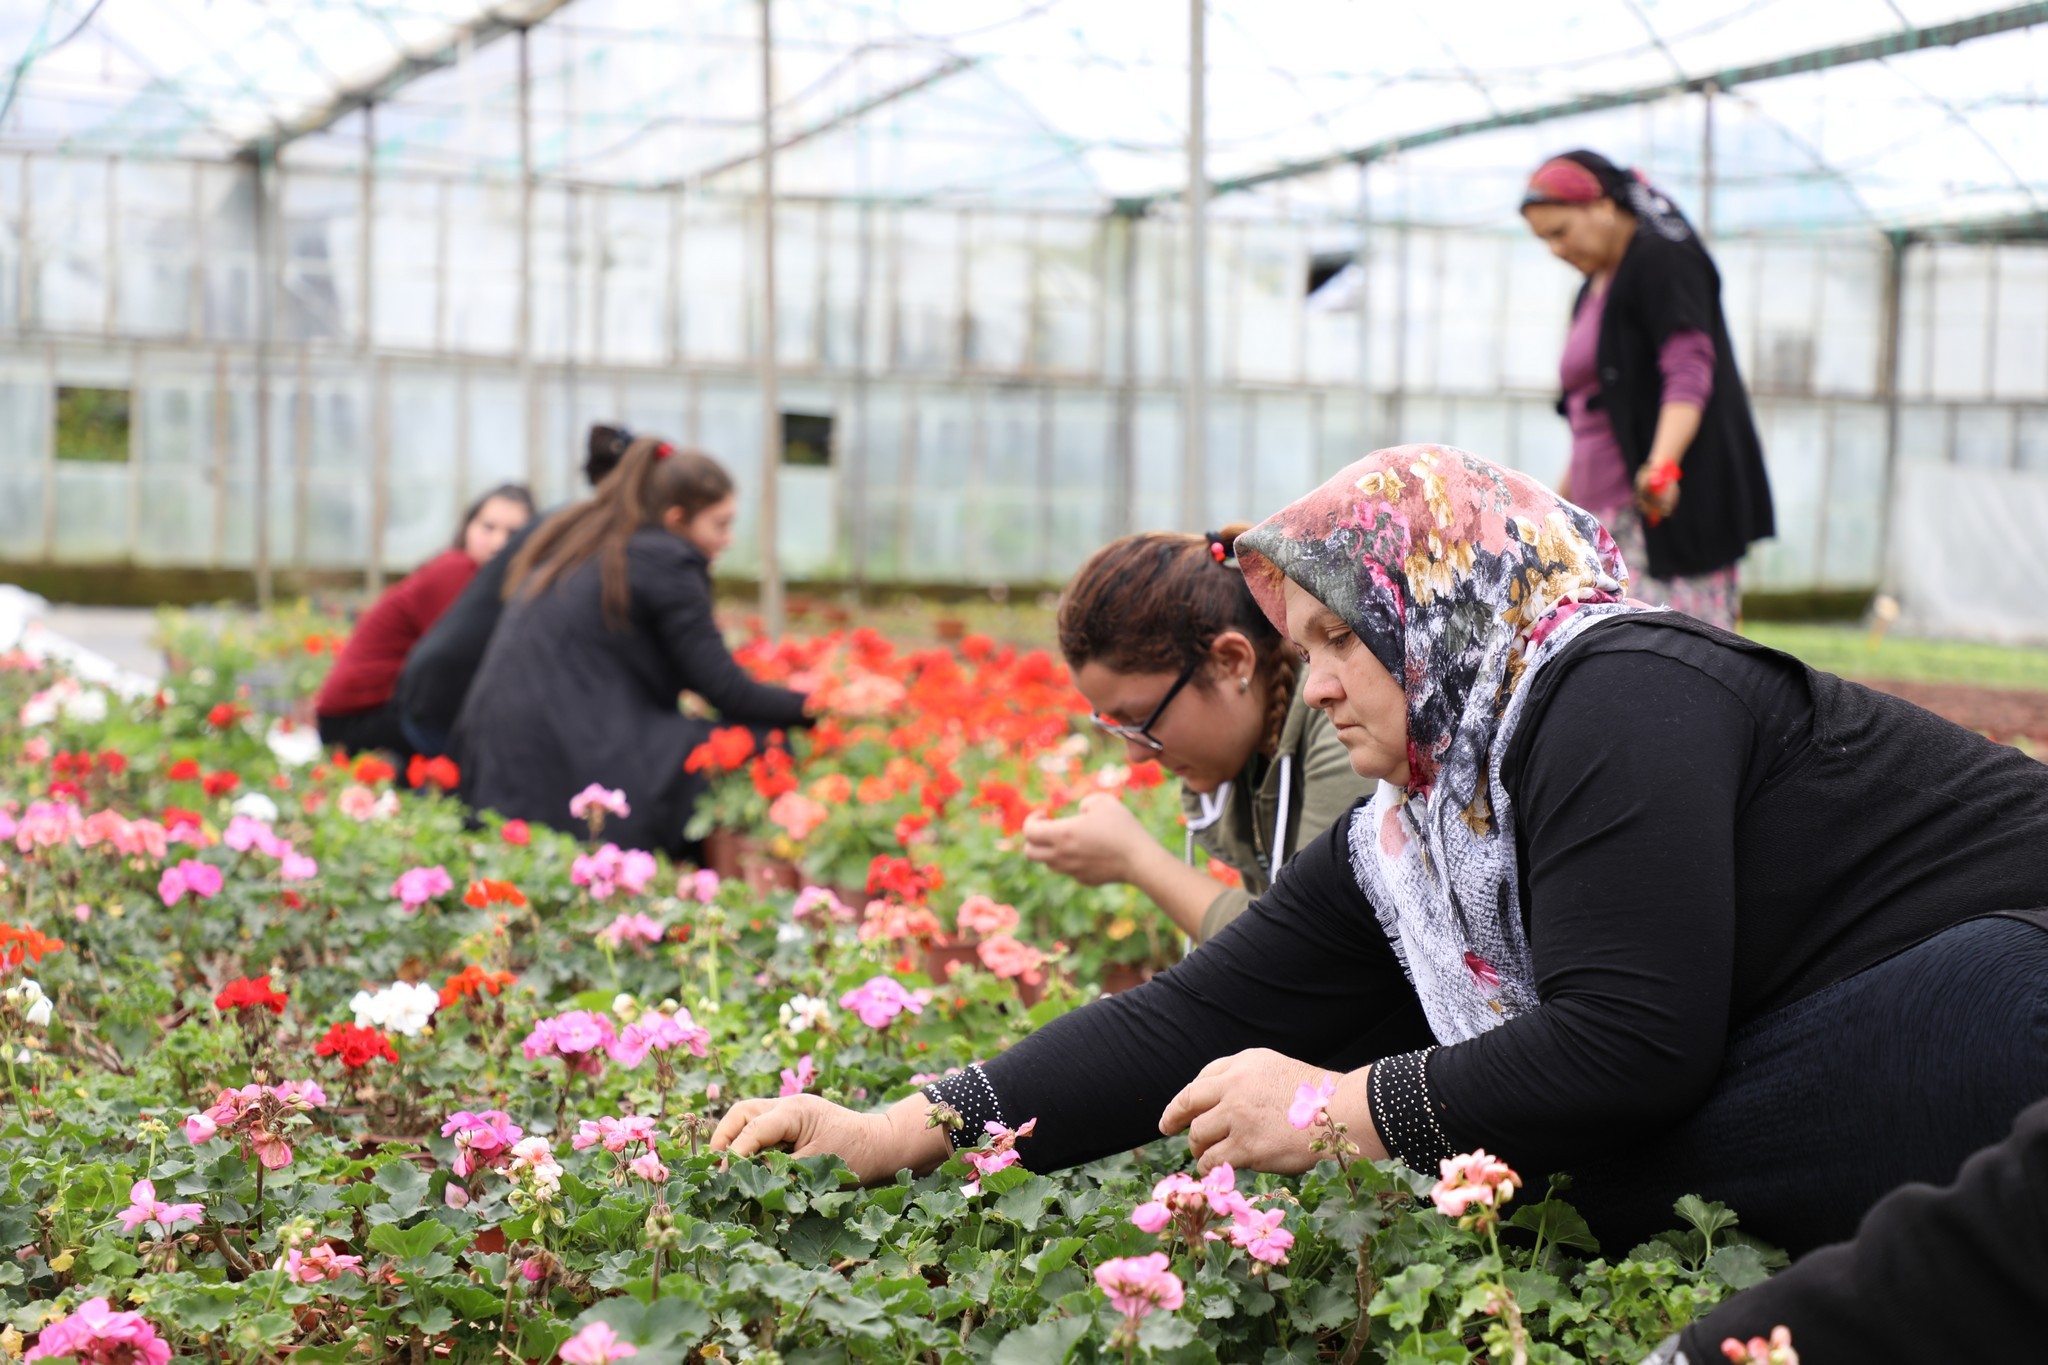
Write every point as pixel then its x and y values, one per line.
pixel 1409 1122
pixel 969 1095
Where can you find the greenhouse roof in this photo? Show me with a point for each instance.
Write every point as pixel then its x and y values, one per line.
pixel 1895 112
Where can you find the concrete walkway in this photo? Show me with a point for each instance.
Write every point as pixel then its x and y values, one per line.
pixel 123 635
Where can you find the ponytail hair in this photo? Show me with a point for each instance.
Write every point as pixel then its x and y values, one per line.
pixel 1156 601
pixel 651 478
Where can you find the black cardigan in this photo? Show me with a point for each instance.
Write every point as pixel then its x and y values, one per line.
pixel 1707 832
pixel 441 667
pixel 1664 286
pixel 563 701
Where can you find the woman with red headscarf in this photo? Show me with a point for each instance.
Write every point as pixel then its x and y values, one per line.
pixel 1664 450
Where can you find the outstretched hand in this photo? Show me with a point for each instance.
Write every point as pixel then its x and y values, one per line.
pixel 1094 847
pixel 1236 1111
pixel 873 1146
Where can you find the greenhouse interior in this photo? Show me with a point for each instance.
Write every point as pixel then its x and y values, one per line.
pixel 284 284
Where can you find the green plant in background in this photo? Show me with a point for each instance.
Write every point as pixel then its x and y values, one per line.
pixel 93 425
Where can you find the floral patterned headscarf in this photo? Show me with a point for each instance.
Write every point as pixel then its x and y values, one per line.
pixel 1463 578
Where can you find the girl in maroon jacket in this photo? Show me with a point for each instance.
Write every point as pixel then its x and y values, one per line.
pixel 354 706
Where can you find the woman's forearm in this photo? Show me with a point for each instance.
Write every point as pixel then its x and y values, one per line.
pixel 915 1145
pixel 1183 892
pixel 1677 425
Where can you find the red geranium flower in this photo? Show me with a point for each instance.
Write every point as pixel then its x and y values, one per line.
pixel 442 772
pixel 176 817
pixel 484 892
pixel 516 832
pixel 25 944
pixel 371 770
pixel 247 993
pixel 726 749
pixel 219 784
pixel 774 773
pixel 1145 775
pixel 225 714
pixel 355 1045
pixel 113 762
pixel 473 980
pixel 908 881
pixel 184 770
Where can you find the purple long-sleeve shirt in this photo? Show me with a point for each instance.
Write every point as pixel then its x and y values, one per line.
pixel 1599 475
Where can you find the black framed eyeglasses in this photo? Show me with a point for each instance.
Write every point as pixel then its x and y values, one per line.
pixel 1142 734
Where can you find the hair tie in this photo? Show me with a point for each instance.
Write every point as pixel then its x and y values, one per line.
pixel 663 451
pixel 1218 549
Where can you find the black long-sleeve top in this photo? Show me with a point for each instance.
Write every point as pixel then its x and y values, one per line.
pixel 1956 1272
pixel 1707 831
pixel 564 700
pixel 438 673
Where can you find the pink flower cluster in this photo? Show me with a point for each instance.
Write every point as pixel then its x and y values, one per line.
pixel 322 1265
pixel 596 1344
pixel 255 1112
pixel 797 814
pixel 245 832
pixel 418 885
pixel 129 838
pixel 1473 1179
pixel 482 1140
pixel 579 1038
pixel 45 824
pixel 1192 1205
pixel 96 1335
pixel 596 798
pixel 145 1207
pixel 700 886
pixel 818 905
pixel 636 928
pixel 796 1082
pixel 1757 1351
pixel 1000 1153
pixel 363 805
pixel 986 915
pixel 1312 1102
pixel 881 998
pixel 202 881
pixel 1007 957
pixel 620 1135
pixel 1140 1285
pixel 658 1032
pixel 612 869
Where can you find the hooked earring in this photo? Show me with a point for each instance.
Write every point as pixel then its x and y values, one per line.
pixel 1244 684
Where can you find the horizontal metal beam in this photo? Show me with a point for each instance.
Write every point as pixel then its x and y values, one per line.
pixel 1804 63
pixel 494 23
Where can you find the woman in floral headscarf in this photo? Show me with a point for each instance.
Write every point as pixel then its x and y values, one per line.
pixel 1633 898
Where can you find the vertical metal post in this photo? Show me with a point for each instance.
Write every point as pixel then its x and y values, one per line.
pixel 772 606
pixel 366 264
pixel 25 285
pixel 1706 223
pixel 302 455
pixel 1362 260
pixel 854 464
pixel 1195 415
pixel 1890 361
pixel 523 341
pixel 441 268
pixel 380 468
pixel 195 278
pixel 1123 493
pixel 259 201
pixel 111 322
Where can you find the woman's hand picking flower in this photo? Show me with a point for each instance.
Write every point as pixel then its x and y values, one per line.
pixel 1095 847
pixel 873 1146
pixel 1236 1111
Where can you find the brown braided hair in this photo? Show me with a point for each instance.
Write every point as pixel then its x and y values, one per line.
pixel 1154 602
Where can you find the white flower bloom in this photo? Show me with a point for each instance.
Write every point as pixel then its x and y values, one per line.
pixel 88 706
pixel 40 709
pixel 202 677
pixel 294 745
pixel 27 996
pixel 803 1013
pixel 791 933
pixel 403 1007
pixel 39 1013
pixel 256 806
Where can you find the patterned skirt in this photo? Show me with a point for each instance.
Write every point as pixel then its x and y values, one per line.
pixel 1715 598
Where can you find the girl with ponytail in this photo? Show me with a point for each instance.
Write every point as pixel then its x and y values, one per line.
pixel 1176 658
pixel 607 619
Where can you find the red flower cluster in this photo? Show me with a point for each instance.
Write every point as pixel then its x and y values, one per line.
pixel 725 750
pixel 484 892
pixel 774 773
pixel 900 877
pixel 516 832
pixel 176 817
pixel 473 980
pixel 355 1045
pixel 247 993
pixel 184 770
pixel 442 772
pixel 25 944
pixel 219 784
pixel 225 714
pixel 82 764
pixel 1005 802
pixel 370 770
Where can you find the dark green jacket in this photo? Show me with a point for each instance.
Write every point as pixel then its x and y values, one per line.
pixel 1320 787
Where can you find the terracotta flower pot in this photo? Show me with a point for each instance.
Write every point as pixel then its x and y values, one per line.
pixel 1121 976
pixel 949 627
pixel 722 852
pixel 941 958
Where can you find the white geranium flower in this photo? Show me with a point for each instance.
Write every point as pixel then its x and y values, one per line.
pixel 27 996
pixel 88 706
pixel 256 806
pixel 39 1013
pixel 293 745
pixel 403 1007
pixel 40 709
pixel 803 1013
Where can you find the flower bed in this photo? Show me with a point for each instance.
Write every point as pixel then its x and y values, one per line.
pixel 298 1063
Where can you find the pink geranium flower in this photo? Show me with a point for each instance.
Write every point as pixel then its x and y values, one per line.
pixel 636 927
pixel 482 1139
pixel 1000 1154
pixel 1140 1285
pixel 881 998
pixel 1473 1179
pixel 200 880
pixel 579 1037
pixel 648 1167
pixel 801 1079
pixel 145 1207
pixel 596 1344
pixel 1757 1351
pixel 797 814
pixel 320 1265
pixel 658 1032
pixel 1006 957
pixel 1261 1235
pixel 615 1134
pixel 593 797
pixel 96 1335
pixel 1311 1102
pixel 701 886
pixel 611 869
pixel 986 915
pixel 817 905
pixel 418 885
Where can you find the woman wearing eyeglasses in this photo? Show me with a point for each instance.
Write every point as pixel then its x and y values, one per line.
pixel 1177 660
